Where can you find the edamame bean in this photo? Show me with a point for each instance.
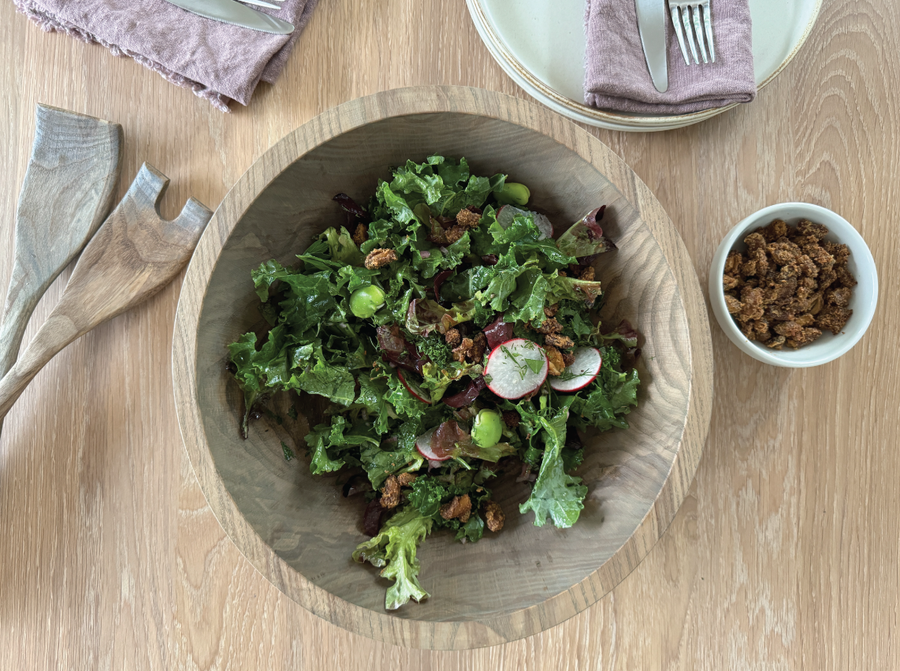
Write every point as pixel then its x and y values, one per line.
pixel 487 428
pixel 366 301
pixel 513 193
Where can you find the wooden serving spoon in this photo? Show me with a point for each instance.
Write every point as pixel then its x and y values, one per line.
pixel 68 191
pixel 133 256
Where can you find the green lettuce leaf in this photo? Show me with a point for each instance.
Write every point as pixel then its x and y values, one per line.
pixel 529 298
pixel 380 462
pixel 454 174
pixel 471 531
pixel 323 379
pixel 394 548
pixel 373 395
pixel 584 238
pixel 476 193
pixel 266 275
pixel 397 205
pixel 436 260
pixel 605 402
pixel 573 289
pixel 308 302
pixel 426 316
pixel 556 494
pixel 330 445
pixel 418 179
pixel 342 248
pixel 463 286
pixel 405 404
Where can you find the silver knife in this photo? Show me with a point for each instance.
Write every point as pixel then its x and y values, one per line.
pixel 651 18
pixel 261 3
pixel 229 11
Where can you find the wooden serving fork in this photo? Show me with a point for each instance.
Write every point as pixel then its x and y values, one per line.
pixel 133 255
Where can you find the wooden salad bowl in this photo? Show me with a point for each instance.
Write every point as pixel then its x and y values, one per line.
pixel 299 530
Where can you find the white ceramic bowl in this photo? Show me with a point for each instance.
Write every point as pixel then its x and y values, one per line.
pixel 865 294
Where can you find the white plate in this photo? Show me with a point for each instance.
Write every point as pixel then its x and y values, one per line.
pixel 540 44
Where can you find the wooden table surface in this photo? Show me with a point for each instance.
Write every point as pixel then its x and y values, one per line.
pixel 783 556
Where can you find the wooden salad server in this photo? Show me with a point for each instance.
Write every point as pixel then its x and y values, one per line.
pixel 68 191
pixel 132 257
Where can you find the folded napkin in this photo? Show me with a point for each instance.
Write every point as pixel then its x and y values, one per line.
pixel 616 75
pixel 217 61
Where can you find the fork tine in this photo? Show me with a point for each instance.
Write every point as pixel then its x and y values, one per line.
pixel 707 20
pixel 689 34
pixel 698 32
pixel 676 21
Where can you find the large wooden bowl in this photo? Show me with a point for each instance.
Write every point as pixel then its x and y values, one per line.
pixel 297 529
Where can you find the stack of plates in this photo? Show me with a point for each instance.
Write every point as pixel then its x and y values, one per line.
pixel 540 44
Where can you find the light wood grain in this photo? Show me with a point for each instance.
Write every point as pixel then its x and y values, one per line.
pixel 292 526
pixel 67 192
pixel 784 554
pixel 133 256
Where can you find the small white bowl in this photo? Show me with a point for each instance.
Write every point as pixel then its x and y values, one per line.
pixel 865 294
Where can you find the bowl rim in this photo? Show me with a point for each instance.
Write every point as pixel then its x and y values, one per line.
pixel 867 276
pixel 448 635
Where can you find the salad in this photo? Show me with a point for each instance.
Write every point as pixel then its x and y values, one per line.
pixel 454 340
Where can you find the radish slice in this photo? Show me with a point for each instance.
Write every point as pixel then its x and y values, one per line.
pixel 516 368
pixel 423 445
pixel 507 213
pixel 582 371
pixel 413 387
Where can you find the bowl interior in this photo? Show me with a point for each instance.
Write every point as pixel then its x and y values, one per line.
pixel 305 519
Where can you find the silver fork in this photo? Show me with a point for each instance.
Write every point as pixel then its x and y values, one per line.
pixel 686 12
pixel 262 3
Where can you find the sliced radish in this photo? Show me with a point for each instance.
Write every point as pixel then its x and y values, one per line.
pixel 581 372
pixel 426 449
pixel 413 387
pixel 507 213
pixel 516 368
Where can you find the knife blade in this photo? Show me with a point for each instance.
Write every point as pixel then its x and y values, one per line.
pixel 229 11
pixel 651 18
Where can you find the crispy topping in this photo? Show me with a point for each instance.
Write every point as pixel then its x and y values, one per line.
pixel 550 326
pixel 833 318
pixel 558 341
pixel 551 310
pixel 380 257
pixel 808 228
pixel 733 263
pixel 555 358
pixel 452 337
pixel 494 516
pixel 470 349
pixel 790 284
pixel 587 274
pixel 361 234
pixel 460 352
pixel 468 219
pixel 406 479
pixel 733 304
pixel 777 229
pixel 390 493
pixel 459 508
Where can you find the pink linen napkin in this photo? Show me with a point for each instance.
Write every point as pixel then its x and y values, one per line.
pixel 217 61
pixel 616 75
